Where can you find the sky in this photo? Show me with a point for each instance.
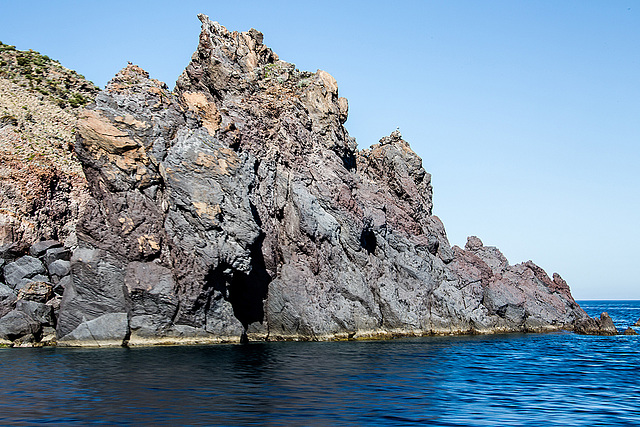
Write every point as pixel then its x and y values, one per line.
pixel 526 113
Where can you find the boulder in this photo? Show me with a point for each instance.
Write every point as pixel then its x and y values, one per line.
pixel 107 330
pixel 16 324
pixel 55 254
pixel 630 331
pixel 59 268
pixel 22 270
pixel 7 299
pixel 39 248
pixel 41 313
pixel 36 291
pixel 26 318
pixel 606 325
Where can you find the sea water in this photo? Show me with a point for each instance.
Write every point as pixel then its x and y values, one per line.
pixel 556 379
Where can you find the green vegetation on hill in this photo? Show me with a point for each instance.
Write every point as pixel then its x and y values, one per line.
pixel 39 73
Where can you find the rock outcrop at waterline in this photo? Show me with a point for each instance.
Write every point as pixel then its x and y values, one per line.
pixel 594 326
pixel 238 203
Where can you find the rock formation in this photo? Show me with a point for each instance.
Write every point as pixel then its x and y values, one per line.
pixel 42 186
pixel 30 299
pixel 602 326
pixel 238 205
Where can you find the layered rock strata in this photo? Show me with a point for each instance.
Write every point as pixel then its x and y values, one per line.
pixel 238 206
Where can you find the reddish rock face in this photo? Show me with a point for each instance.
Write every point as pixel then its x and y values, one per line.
pixel 42 187
pixel 240 204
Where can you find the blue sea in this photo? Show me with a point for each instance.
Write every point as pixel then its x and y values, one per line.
pixel 558 379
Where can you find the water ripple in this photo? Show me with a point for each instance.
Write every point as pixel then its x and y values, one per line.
pixel 508 380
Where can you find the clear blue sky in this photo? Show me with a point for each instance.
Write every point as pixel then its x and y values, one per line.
pixel 527 113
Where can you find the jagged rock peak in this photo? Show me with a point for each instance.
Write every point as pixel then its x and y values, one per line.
pixel 473 243
pixel 230 59
pixel 394 138
pixel 131 80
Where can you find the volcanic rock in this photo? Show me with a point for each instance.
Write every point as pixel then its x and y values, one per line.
pixel 602 326
pixel 16 324
pixel 39 248
pixel 36 291
pixel 239 203
pixel 55 254
pixel 7 299
pixel 105 330
pixel 59 268
pixel 24 270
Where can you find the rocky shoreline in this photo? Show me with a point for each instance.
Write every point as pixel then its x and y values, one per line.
pixel 30 307
pixel 238 207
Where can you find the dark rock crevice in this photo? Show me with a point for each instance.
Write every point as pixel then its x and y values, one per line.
pixel 246 291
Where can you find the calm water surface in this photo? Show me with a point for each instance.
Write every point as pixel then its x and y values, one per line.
pixel 532 380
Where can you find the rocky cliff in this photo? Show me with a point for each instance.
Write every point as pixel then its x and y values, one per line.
pixel 42 186
pixel 238 206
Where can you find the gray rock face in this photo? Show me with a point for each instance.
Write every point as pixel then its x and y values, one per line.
pixel 97 289
pixel 240 204
pixel 31 305
pixel 7 299
pixel 106 330
pixel 24 270
pixel 39 248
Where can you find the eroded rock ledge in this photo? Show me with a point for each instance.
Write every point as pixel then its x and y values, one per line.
pixel 239 204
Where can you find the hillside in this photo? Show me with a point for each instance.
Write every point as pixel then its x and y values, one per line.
pixel 41 181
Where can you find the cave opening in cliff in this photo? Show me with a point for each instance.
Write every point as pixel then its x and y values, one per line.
pixel 246 291
pixel 368 240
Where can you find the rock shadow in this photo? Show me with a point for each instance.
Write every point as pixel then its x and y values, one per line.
pixel 245 291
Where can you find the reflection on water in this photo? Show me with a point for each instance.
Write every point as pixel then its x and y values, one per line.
pixel 554 379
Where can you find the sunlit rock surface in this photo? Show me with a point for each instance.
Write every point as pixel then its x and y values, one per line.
pixel 239 206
